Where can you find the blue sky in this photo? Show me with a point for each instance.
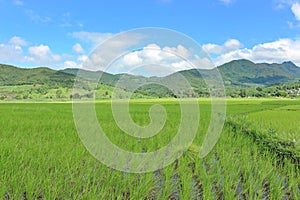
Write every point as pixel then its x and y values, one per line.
pixel 60 34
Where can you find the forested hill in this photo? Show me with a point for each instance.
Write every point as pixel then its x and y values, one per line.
pixel 245 72
pixel 11 75
pixel 236 74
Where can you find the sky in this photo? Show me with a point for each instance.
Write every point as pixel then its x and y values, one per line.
pixel 63 34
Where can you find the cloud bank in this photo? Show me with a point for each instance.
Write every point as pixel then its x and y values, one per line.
pixel 18 50
pixel 278 51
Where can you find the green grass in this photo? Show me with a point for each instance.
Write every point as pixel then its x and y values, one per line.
pixel 41 155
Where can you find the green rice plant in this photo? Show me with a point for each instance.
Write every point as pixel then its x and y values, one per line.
pixel 42 157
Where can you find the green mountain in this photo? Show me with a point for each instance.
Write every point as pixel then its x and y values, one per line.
pixel 247 73
pixel 10 75
pixel 243 73
pixel 45 83
pixel 237 74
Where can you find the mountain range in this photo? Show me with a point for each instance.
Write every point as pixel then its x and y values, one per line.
pixel 236 74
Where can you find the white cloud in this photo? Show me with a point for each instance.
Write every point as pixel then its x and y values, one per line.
pixel 132 59
pixel 151 54
pixel 42 55
pixel 154 54
pixel 232 44
pixel 212 48
pixel 82 58
pixel 77 48
pixel 271 52
pixel 181 65
pixel 15 51
pixel 199 63
pixel 296 10
pixel 12 50
pixel 39 51
pixel 70 64
pixel 229 45
pixel 17 41
pixel 159 61
pixel 110 50
pixel 11 53
pixel 202 62
pixel 179 50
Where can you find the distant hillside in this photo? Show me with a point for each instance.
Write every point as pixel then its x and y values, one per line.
pixel 44 83
pixel 92 75
pixel 234 73
pixel 247 73
pixel 10 75
pixel 237 74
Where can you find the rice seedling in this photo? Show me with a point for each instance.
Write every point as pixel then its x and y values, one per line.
pixel 42 157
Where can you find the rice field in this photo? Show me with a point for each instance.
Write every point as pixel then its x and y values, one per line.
pixel 282 122
pixel 42 156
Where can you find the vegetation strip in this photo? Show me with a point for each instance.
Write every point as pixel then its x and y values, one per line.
pixel 267 141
